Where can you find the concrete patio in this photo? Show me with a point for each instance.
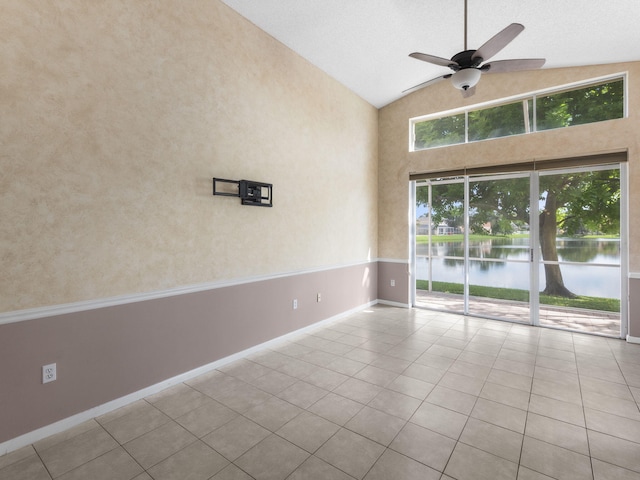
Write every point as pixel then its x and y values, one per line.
pixel 575 319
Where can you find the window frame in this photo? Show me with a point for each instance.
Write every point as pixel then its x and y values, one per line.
pixel 530 126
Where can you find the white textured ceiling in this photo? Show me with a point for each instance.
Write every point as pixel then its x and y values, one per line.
pixel 364 44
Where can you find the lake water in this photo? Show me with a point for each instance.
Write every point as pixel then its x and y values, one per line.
pixel 586 279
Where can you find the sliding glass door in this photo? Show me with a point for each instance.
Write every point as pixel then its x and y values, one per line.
pixel 544 248
pixel 499 247
pixel 580 250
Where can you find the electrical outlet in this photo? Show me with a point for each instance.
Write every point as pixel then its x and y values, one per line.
pixel 393 283
pixel 295 303
pixel 49 373
pixel 319 297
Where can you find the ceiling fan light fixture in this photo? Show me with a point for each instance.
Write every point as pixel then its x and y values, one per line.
pixel 466 78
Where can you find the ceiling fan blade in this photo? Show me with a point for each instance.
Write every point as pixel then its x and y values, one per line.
pixel 513 65
pixel 498 42
pixel 427 83
pixel 432 59
pixel 468 92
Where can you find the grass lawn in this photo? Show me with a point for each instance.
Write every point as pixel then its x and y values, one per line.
pixel 591 303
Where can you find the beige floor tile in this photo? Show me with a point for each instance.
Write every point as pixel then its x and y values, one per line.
pixel 114 465
pixel 336 408
pixel 525 473
pixel 557 364
pixel 611 389
pixel 273 382
pixel 231 472
pixel 84 427
pixel 613 425
pixel 558 433
pixel 492 439
pixel 559 391
pixel 217 383
pixel 242 397
pixel 394 403
pixel 361 355
pixel 137 422
pixel 557 409
pixel 452 399
pixel 505 395
pixel 302 394
pixel 358 390
pixel 500 414
pixel 394 465
pixel 613 405
pixel 413 387
pixel 614 450
pixel 555 461
pixel 350 452
pixel 272 459
pixel 178 400
pixel 518 368
pixel 236 437
pixel 346 366
pixel 318 357
pixel 197 460
pixel 29 468
pixel 314 468
pixel 244 369
pixel 391 364
pixel 308 431
pixel 606 471
pixel 143 476
pixel 472 356
pixel 273 413
pixel 510 379
pixel 467 369
pixel 468 463
pixel 424 445
pixel 438 363
pixel 375 425
pixel 461 383
pixel 153 447
pixel 207 418
pixel 377 376
pixel 16 456
pixel 69 454
pixel 326 379
pixel 440 420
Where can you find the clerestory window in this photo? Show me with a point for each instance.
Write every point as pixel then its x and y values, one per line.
pixel 559 108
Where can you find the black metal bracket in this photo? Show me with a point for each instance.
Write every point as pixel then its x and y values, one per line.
pixel 257 194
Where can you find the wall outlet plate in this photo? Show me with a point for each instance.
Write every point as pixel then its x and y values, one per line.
pixel 49 373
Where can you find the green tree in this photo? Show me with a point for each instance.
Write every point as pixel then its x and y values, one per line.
pixel 572 204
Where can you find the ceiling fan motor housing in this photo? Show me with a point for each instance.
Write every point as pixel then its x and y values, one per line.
pixel 465 60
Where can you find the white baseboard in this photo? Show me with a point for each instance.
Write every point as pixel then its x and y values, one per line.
pixel 394 304
pixel 77 419
pixel 631 339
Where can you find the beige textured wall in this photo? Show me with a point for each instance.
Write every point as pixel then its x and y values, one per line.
pixel 115 116
pixel 396 162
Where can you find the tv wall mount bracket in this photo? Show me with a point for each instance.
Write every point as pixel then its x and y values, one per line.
pixel 257 194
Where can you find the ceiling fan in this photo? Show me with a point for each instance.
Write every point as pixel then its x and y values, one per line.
pixel 467 65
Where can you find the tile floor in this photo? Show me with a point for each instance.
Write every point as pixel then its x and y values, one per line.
pixel 576 319
pixel 385 393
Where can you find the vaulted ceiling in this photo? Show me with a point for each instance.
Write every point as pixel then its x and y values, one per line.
pixel 364 44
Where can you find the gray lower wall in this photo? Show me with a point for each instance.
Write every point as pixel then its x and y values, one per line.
pixel 399 273
pixel 107 353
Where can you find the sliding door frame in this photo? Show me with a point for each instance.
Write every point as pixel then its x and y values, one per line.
pixel 535 254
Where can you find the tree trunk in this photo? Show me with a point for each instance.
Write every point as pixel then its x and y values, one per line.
pixel 548 231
